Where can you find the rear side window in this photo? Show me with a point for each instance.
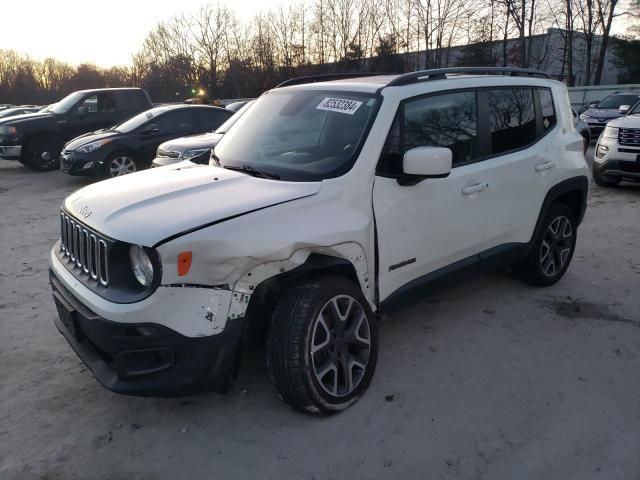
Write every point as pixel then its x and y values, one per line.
pixel 512 119
pixel 212 119
pixel 547 109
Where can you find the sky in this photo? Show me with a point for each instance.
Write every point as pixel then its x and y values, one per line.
pixel 106 32
pixel 103 32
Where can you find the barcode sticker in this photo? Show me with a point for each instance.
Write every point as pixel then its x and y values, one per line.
pixel 341 105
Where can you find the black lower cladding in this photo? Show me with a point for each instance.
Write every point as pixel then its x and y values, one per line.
pixel 623 169
pixel 147 359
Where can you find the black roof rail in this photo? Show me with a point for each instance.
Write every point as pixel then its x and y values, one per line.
pixel 325 77
pixel 441 74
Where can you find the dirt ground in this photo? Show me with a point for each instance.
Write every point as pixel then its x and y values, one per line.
pixel 490 379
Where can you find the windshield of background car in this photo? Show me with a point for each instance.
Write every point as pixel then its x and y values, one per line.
pixel 139 120
pixel 615 101
pixel 224 128
pixel 300 135
pixel 64 105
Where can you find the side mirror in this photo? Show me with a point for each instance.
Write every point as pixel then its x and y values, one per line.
pixel 82 111
pixel 151 128
pixel 427 162
pixel 624 109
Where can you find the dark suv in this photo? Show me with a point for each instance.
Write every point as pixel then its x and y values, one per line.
pixel 613 106
pixel 36 139
pixel 131 145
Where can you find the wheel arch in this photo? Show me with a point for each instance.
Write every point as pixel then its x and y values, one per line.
pixel 571 192
pixel 257 293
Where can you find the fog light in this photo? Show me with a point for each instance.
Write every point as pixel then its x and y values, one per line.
pixel 601 151
pixel 87 165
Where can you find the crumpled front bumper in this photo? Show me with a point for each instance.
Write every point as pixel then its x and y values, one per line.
pixel 145 358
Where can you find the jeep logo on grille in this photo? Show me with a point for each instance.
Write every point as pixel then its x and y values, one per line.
pixel 85 212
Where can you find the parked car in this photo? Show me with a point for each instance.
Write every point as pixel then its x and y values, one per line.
pixel 131 145
pixel 613 106
pixel 12 112
pixel 195 146
pixel 36 139
pixel 330 203
pixel 617 153
pixel 582 128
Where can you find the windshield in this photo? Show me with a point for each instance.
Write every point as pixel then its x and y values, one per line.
pixel 635 110
pixel 64 105
pixel 299 135
pixel 615 101
pixel 134 122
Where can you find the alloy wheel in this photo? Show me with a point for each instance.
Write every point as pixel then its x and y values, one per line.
pixel 556 246
pixel 340 345
pixel 121 165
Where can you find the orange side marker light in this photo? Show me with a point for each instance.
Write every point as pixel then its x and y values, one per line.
pixel 184 263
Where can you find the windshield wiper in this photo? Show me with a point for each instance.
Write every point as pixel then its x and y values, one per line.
pixel 253 171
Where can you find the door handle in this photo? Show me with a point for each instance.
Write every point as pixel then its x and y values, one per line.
pixel 475 188
pixel 544 166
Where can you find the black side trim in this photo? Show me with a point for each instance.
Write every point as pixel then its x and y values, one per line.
pixel 210 224
pixel 495 258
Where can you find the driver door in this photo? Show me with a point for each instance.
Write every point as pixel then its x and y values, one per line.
pixel 437 222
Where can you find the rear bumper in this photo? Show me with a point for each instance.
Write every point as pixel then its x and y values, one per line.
pixel 10 152
pixel 147 359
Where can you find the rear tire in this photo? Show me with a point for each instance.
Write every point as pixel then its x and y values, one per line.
pixel 552 250
pixel 603 181
pixel 322 347
pixel 42 154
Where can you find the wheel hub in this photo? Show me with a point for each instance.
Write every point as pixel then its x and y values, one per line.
pixel 556 246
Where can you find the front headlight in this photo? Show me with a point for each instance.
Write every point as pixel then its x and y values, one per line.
pixel 141 265
pixel 193 153
pixel 610 132
pixel 90 147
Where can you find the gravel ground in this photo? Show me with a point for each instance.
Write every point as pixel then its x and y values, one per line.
pixel 490 379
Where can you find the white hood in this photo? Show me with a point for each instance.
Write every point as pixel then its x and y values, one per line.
pixel 628 121
pixel 148 207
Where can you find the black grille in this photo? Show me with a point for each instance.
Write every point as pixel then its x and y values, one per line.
pixel 85 251
pixel 168 154
pixel 629 136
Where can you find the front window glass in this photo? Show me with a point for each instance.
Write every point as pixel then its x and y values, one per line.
pixel 299 135
pixel 224 128
pixel 614 102
pixel 448 120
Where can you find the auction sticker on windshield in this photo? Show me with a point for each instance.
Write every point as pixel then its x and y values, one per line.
pixel 341 105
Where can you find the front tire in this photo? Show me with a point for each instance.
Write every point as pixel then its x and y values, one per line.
pixel 119 164
pixel 42 154
pixel 552 251
pixel 322 347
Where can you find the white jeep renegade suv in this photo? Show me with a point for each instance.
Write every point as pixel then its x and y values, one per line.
pixel 330 202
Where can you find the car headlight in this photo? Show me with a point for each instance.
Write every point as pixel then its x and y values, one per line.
pixel 8 130
pixel 194 153
pixel 90 147
pixel 610 132
pixel 141 265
